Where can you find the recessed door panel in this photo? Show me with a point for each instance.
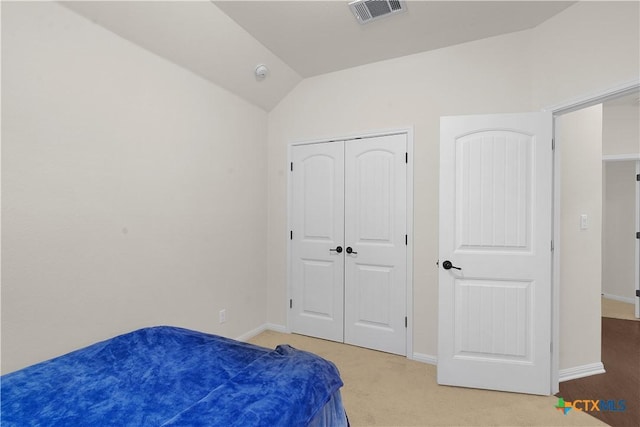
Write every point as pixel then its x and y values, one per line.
pixel 374 171
pixel 493 319
pixel 317 298
pixel 319 189
pixel 494 190
pixel 374 285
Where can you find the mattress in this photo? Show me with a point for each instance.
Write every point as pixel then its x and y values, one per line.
pixel 169 376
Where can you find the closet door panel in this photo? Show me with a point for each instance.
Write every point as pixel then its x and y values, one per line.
pixel 317 268
pixel 375 230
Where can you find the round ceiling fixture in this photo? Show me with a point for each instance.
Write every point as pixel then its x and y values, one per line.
pixel 261 72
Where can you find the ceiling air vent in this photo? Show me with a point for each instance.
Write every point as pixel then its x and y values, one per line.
pixel 370 10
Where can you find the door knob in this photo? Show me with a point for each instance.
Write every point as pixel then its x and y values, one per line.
pixel 446 265
pixel 351 251
pixel 337 249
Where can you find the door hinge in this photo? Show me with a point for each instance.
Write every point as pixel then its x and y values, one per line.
pixel 638 177
pixel 552 246
pixel 290 303
pixel 406 157
pixel 406 240
pixel 551 347
pixel 638 293
pixel 291 235
pixel 406 322
pixel 553 144
pixel 637 234
pixel 291 166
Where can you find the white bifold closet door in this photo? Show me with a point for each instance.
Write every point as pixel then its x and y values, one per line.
pixel 348 241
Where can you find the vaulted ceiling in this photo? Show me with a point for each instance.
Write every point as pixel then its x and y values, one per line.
pixel 224 41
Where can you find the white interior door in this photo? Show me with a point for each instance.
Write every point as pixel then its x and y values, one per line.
pixel 375 230
pixel 317 231
pixel 348 242
pixel 494 329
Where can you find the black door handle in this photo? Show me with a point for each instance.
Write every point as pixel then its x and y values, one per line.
pixel 448 266
pixel 337 249
pixel 351 251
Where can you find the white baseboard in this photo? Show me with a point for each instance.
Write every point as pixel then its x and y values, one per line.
pixel 260 329
pixel 581 371
pixel 619 298
pixel 425 358
pixel 252 333
pixel 276 328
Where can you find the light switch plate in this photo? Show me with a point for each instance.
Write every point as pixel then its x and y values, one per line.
pixel 584 222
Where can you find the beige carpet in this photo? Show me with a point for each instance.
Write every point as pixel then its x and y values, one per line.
pixel 387 390
pixel 618 310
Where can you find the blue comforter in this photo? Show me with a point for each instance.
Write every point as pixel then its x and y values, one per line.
pixel 167 376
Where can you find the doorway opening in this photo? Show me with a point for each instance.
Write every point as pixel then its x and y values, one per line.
pixel 604 156
pixel 577 223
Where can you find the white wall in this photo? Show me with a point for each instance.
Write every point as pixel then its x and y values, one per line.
pixel 619 230
pixel 621 128
pixel 586 48
pixel 579 137
pixel 620 135
pixel 133 191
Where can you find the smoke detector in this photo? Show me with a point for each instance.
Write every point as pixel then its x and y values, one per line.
pixel 261 72
pixel 370 10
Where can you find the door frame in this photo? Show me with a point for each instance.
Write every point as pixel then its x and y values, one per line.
pixel 578 103
pixel 408 131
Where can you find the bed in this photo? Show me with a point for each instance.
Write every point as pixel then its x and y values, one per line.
pixel 169 376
